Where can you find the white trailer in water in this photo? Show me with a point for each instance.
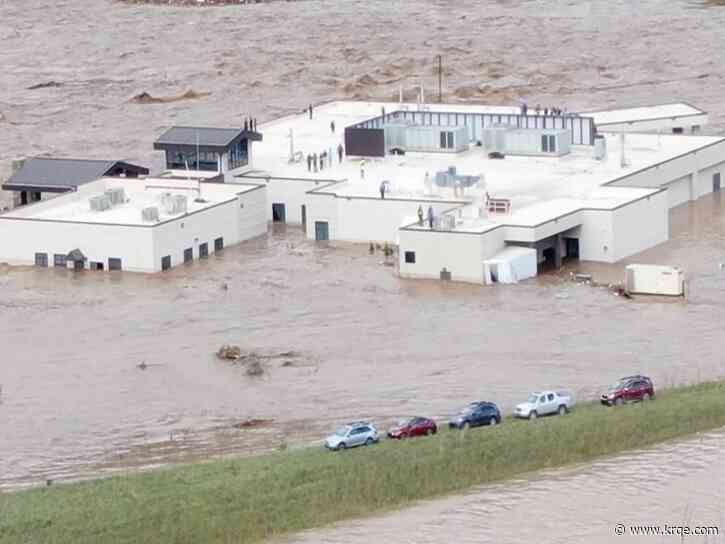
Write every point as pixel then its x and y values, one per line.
pixel 645 279
pixel 511 265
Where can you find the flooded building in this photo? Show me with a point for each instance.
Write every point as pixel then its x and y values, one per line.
pixel 139 225
pixel 457 186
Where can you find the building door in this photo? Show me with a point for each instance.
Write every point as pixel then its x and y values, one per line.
pixel 218 244
pixel 166 262
pixel 572 248
pixel 322 231
pixel 41 259
pixel 716 182
pixel 279 213
pixel 304 218
pixel 203 250
pixel 115 264
pixel 188 255
pixel 23 198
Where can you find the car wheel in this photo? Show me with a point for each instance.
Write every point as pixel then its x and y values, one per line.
pixel 533 414
pixel 646 397
pixel 619 401
pixel 369 442
pixel 341 446
pixel 493 421
pixel 429 432
pixel 562 410
pixel 465 426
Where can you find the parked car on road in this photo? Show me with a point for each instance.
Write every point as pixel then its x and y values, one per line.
pixel 414 426
pixel 629 389
pixel 476 414
pixel 360 433
pixel 544 403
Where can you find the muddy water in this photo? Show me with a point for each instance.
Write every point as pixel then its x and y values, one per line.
pixel 671 484
pixel 74 402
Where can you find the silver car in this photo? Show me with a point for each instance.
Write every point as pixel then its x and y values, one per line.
pixel 359 433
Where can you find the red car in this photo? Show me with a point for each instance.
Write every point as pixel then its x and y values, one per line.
pixel 415 426
pixel 629 389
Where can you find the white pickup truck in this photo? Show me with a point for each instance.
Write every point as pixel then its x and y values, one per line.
pixel 543 403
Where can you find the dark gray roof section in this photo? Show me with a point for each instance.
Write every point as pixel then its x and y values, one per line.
pixel 54 175
pixel 205 137
pixel 76 255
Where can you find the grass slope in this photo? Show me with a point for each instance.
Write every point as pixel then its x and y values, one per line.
pixel 249 499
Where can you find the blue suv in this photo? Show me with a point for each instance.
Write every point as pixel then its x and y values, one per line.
pixel 475 415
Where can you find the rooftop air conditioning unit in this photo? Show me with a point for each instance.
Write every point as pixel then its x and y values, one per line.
pixel 99 203
pixel 150 214
pixel 180 203
pixel 117 195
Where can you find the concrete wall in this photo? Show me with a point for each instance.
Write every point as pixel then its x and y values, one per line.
pixel 292 192
pixel 462 254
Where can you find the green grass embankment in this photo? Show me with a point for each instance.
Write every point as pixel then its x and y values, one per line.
pixel 251 498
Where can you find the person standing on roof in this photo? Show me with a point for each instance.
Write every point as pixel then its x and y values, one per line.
pixel 420 215
pixel 314 161
pixel 430 216
pixel 382 190
pixel 309 162
pixel 332 127
pixel 340 152
pixel 362 169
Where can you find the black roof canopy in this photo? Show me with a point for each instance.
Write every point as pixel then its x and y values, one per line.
pixel 53 175
pixel 207 138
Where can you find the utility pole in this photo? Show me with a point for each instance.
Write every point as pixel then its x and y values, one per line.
pixel 440 78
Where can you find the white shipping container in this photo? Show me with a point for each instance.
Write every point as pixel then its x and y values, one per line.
pixel 647 279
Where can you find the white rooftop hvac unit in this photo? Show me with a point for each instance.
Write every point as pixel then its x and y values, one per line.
pixel 174 204
pixel 117 195
pixel 99 203
pixel 150 214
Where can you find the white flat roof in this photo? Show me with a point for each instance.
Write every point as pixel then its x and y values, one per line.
pixel 644 113
pixel 523 180
pixel 140 193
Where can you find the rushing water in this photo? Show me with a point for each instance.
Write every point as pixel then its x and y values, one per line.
pixel 73 401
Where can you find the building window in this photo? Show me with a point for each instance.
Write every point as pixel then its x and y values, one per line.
pixel 60 260
pixel 41 259
pixel 410 257
pixel 677 130
pixel 115 264
pixel 238 155
pixel 181 159
pixel 218 244
pixel 203 250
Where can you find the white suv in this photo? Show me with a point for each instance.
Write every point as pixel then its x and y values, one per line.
pixel 353 434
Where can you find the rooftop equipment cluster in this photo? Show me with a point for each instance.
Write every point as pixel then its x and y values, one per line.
pixel 110 198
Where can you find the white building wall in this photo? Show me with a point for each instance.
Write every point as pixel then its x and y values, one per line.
pixel 23 238
pixel 366 219
pixel 656 125
pixel 291 192
pixel 679 191
pixel 462 254
pixel 702 183
pixel 640 225
pixel 235 221
pixel 596 236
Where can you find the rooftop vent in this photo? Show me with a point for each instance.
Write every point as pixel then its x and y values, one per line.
pixel 99 203
pixel 150 214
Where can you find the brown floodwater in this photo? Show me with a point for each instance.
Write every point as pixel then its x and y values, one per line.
pixel 75 404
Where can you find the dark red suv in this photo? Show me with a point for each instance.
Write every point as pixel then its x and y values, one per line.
pixel 415 426
pixel 629 389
